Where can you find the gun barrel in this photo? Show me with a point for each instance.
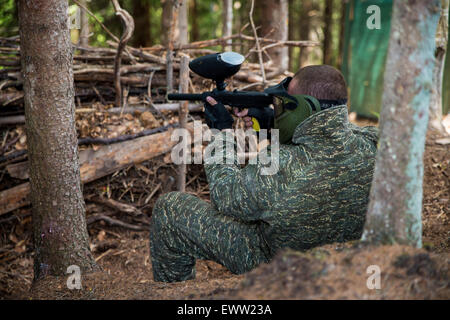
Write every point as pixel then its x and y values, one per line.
pixel 185 96
pixel 239 99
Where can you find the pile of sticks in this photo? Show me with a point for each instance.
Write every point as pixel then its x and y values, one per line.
pixel 93 70
pixel 142 71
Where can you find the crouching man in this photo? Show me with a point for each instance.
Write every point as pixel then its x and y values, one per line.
pixel 319 194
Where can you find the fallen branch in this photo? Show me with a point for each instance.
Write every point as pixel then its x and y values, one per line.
pixel 97 164
pixel 119 206
pixel 114 222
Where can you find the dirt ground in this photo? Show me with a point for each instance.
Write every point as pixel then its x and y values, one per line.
pixel 337 271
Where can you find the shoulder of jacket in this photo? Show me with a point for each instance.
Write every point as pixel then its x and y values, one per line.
pixel 369 132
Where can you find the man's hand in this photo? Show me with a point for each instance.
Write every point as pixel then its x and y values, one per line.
pixel 264 116
pixel 244 115
pixel 216 115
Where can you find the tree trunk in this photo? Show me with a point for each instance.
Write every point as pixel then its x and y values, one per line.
pixel 341 34
pixel 394 213
pixel 227 22
pixel 172 37
pixel 305 28
pixel 183 22
pixel 327 39
pixel 142 21
pixel 166 21
pixel 292 31
pixel 438 72
pixel 275 22
pixel 84 22
pixel 59 225
pixel 195 35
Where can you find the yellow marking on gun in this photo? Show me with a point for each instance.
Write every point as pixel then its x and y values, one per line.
pixel 256 126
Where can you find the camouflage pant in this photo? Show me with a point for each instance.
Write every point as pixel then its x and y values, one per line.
pixel 185 228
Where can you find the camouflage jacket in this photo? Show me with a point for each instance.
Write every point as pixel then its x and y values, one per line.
pixel 320 193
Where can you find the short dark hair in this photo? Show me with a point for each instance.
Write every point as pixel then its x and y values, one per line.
pixel 321 81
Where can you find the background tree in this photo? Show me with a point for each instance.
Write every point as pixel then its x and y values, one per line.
pixel 193 18
pixel 274 22
pixel 183 22
pixel 142 20
pixel 84 24
pixel 438 73
pixel 394 213
pixel 59 226
pixel 292 29
pixel 166 20
pixel 305 29
pixel 227 21
pixel 327 36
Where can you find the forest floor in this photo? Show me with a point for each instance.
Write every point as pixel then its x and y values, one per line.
pixel 336 271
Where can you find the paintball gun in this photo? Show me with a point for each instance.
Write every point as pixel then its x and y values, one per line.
pixel 218 67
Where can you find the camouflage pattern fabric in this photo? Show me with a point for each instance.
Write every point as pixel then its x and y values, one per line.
pixel 319 196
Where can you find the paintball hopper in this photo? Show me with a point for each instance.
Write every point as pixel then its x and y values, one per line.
pixel 217 66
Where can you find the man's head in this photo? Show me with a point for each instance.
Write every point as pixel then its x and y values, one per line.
pixel 312 89
pixel 323 82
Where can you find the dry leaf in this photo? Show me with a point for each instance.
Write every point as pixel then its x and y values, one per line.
pixel 148 120
pixel 13 238
pixel 101 235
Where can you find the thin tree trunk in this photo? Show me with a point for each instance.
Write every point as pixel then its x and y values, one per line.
pixel 84 22
pixel 438 72
pixel 183 114
pixel 142 20
pixel 305 28
pixel 341 34
pixel 172 36
pixel 227 20
pixel 394 213
pixel 195 35
pixel 59 225
pixel 292 31
pixel 275 23
pixel 327 40
pixel 166 21
pixel 183 22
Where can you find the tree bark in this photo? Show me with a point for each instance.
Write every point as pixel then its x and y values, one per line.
pixel 227 22
pixel 305 29
pixel 84 22
pixel 292 31
pixel 142 20
pixel 183 23
pixel 166 21
pixel 275 23
pixel 438 72
pixel 59 225
pixel 327 40
pixel 182 115
pixel 172 35
pixel 341 33
pixel 394 213
pixel 195 34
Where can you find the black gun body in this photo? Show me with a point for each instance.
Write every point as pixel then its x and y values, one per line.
pixel 239 99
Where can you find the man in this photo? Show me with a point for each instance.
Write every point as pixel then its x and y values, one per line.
pixel 319 194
